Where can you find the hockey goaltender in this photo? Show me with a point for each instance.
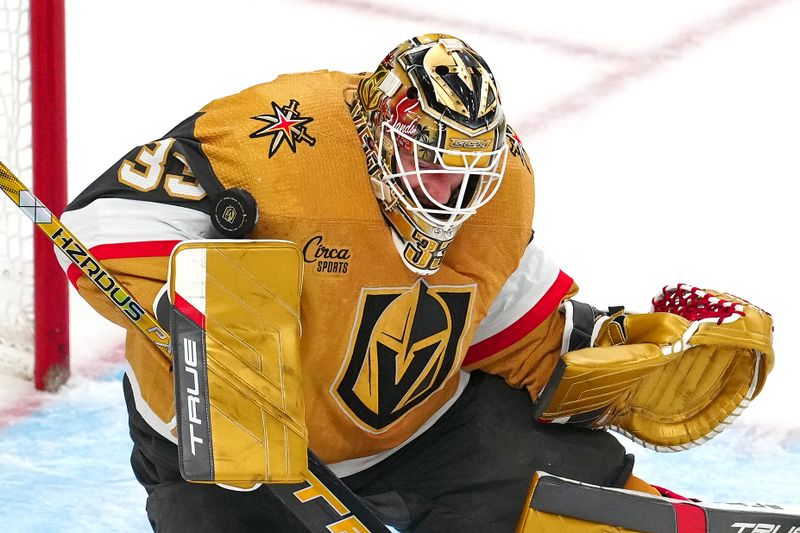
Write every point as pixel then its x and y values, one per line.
pixel 417 358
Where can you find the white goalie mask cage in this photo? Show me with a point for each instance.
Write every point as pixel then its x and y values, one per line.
pixel 480 172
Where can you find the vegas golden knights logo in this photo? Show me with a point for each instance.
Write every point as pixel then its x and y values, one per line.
pixel 406 342
pixel 229 215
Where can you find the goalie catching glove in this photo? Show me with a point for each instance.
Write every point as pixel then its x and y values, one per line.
pixel 669 379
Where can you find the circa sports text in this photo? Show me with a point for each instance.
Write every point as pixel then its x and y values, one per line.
pixel 335 260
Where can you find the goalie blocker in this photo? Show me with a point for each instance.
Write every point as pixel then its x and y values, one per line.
pixel 235 326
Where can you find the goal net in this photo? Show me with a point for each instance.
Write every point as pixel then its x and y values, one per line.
pixel 33 304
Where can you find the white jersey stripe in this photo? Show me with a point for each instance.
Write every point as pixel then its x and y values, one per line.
pixel 102 222
pixel 534 276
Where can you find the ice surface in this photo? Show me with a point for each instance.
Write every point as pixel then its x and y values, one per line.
pixel 65 466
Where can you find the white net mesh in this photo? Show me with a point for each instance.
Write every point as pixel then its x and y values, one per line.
pixel 16 231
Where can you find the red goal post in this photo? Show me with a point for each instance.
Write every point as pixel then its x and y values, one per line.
pixel 33 81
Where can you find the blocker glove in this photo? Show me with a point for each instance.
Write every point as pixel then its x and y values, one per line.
pixel 669 379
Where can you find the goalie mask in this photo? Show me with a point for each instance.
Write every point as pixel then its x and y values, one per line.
pixel 436 134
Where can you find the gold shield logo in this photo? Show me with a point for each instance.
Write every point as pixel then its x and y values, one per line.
pixel 229 214
pixel 406 342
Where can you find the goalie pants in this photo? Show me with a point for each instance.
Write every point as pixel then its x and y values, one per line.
pixel 470 471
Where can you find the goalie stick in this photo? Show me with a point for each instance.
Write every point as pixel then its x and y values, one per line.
pixel 322 502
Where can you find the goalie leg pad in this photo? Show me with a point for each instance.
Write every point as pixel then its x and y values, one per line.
pixel 560 504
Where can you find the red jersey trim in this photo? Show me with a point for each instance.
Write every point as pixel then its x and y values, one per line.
pixel 522 327
pixel 191 312
pixel 123 250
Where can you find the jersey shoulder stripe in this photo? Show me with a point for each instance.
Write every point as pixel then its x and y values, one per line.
pixel 532 292
pixel 128 250
pixel 148 229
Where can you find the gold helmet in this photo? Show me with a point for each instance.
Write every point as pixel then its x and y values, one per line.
pixel 435 142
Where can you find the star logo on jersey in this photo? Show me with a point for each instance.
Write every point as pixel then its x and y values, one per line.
pixel 406 343
pixel 285 126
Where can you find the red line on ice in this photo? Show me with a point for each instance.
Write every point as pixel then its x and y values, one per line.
pixel 366 7
pixel 633 65
pixel 642 65
pixel 36 400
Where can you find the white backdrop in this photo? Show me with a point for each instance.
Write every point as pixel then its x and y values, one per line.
pixel 663 137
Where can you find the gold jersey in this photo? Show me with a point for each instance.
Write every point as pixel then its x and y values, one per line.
pixel 382 348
